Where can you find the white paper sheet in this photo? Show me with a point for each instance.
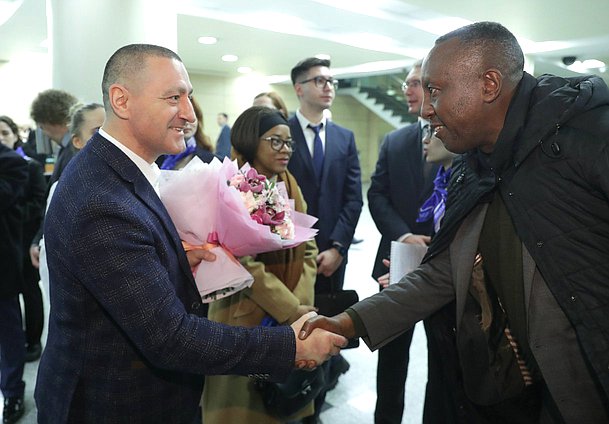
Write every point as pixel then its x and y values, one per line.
pixel 404 259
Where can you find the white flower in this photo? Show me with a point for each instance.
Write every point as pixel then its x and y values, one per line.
pixel 249 201
pixel 285 229
pixel 236 179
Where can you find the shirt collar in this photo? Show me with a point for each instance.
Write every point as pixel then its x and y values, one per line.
pixel 151 171
pixel 304 122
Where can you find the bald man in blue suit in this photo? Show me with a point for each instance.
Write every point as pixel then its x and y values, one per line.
pixel 127 341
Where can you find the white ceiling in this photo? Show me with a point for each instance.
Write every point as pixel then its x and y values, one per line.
pixel 271 36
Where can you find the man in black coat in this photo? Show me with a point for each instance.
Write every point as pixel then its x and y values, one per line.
pixel 401 182
pixel 523 243
pixel 13 181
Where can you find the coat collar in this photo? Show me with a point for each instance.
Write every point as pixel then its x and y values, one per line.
pixel 463 250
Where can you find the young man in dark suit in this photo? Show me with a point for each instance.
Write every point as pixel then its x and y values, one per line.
pixel 127 340
pixel 401 182
pixel 326 167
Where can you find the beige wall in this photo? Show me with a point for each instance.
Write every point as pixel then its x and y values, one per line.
pixel 233 95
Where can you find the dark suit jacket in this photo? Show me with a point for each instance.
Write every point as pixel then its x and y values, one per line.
pixel 223 145
pixel 34 202
pixel 398 187
pixel 13 183
pixel 337 201
pixel 125 340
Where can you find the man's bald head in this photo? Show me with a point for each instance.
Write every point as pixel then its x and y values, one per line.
pixel 493 46
pixel 126 63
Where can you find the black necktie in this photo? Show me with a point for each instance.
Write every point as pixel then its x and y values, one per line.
pixel 318 151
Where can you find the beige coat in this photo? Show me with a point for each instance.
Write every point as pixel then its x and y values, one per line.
pixel 232 399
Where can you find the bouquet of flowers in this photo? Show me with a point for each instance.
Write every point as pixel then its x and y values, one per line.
pixel 263 201
pixel 232 212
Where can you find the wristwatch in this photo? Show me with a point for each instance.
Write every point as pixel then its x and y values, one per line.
pixel 342 250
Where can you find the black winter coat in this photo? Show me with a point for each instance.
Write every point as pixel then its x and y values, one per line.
pixel 13 180
pixel 551 165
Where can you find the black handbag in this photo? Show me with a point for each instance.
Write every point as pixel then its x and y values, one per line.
pixel 285 399
pixel 335 302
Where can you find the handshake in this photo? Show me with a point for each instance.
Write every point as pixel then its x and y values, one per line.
pixel 319 337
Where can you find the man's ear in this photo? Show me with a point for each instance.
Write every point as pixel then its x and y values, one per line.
pixel 119 96
pixel 298 89
pixel 492 81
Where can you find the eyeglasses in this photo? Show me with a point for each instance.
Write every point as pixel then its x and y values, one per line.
pixel 413 84
pixel 278 143
pixel 320 82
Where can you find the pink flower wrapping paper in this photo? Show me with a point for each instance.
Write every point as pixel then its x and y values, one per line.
pixel 204 208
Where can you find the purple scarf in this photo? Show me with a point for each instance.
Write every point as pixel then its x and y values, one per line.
pixel 171 161
pixel 435 206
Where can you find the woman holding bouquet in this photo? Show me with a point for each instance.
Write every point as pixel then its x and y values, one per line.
pixel 283 280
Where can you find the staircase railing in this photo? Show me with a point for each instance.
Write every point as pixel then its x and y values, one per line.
pixel 382 94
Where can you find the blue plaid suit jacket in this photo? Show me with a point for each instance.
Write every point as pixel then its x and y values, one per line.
pixel 126 342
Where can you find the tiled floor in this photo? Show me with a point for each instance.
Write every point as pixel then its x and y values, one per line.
pixel 353 400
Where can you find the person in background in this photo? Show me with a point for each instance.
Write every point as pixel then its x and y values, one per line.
pixel 522 248
pixel 400 183
pixel 326 167
pixel 85 120
pixel 273 100
pixel 13 183
pixel 127 341
pixel 33 209
pixel 51 112
pixel 283 280
pixel 197 144
pixel 223 142
pixel 27 136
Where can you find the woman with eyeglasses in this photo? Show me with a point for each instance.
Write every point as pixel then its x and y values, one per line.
pixel 283 280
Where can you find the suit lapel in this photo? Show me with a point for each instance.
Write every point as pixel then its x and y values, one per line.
pixel 463 251
pixel 129 172
pixel 330 150
pixel 417 171
pixel 302 150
